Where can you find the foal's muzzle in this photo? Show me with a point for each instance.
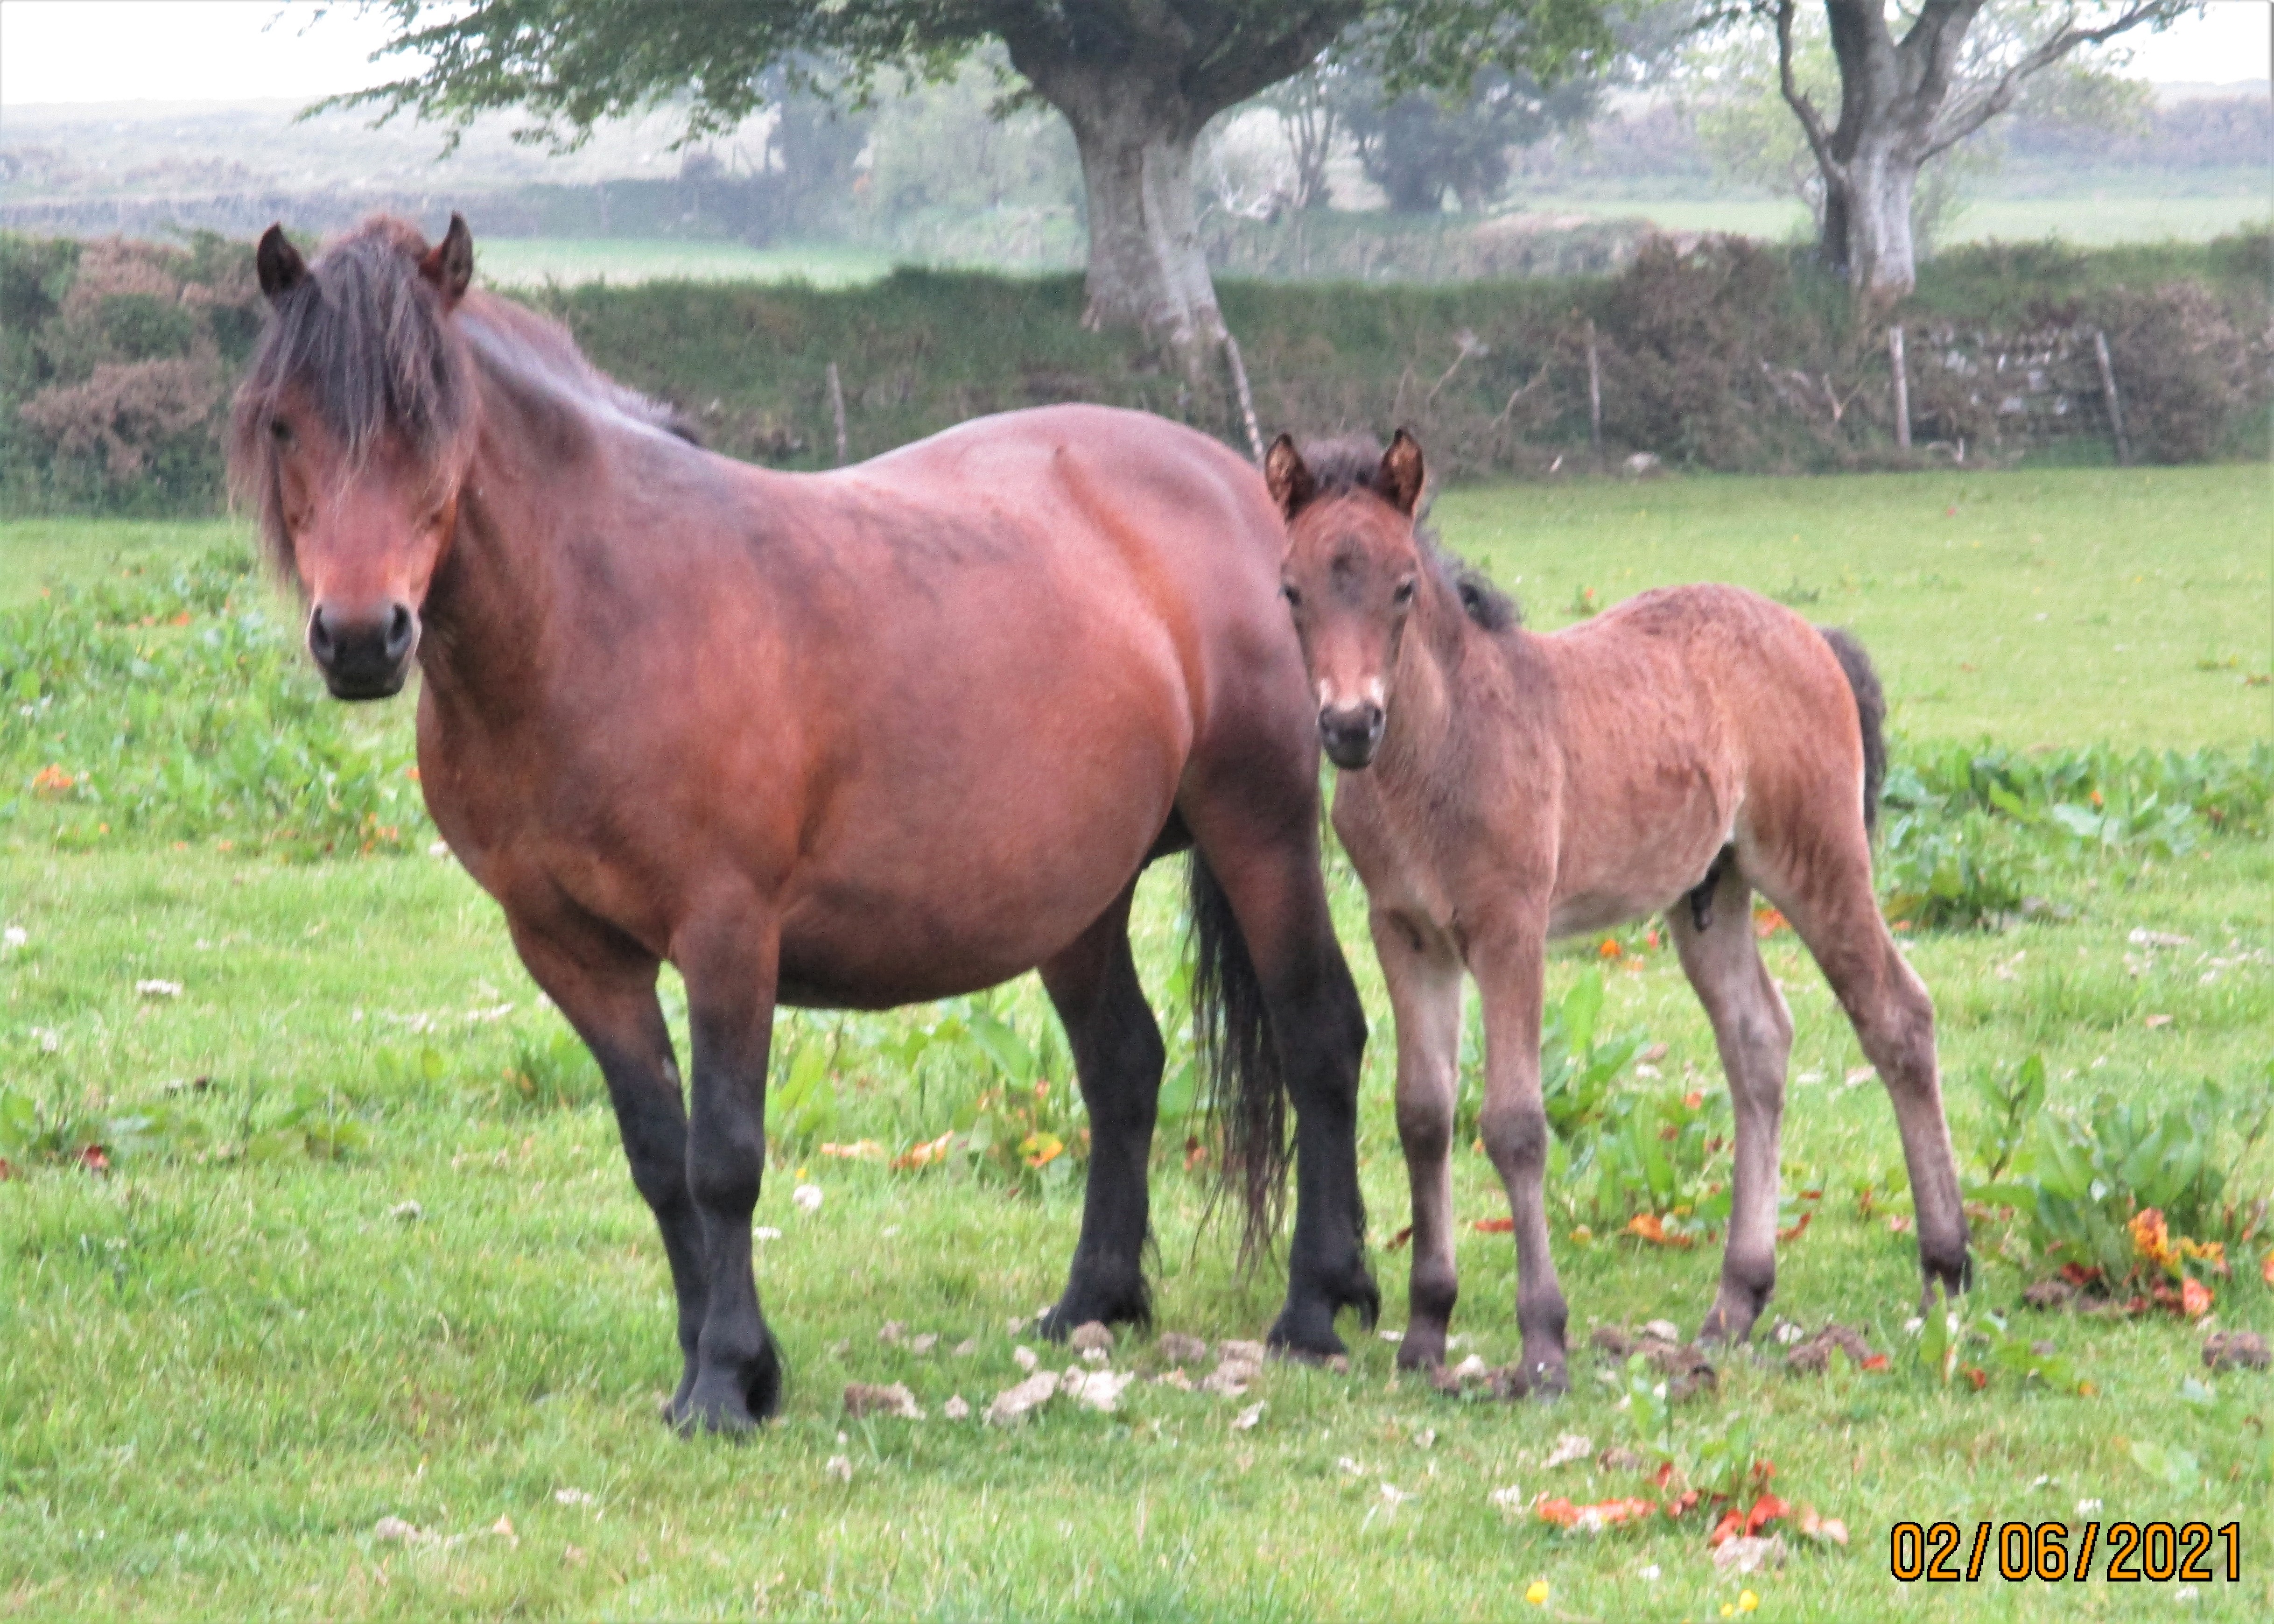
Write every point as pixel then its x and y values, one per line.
pixel 1350 733
pixel 366 655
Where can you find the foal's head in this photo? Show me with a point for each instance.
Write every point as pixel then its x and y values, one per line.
pixel 1352 570
pixel 351 435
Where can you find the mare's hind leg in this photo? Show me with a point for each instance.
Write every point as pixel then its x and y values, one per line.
pixel 1268 866
pixel 1118 1055
pixel 1753 1031
pixel 1423 977
pixel 606 990
pixel 1832 908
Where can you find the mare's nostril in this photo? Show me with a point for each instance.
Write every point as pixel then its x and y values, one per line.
pixel 401 626
pixel 319 638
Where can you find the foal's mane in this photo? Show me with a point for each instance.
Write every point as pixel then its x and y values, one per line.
pixel 1341 466
pixel 367 343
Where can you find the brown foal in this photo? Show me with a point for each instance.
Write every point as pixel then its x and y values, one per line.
pixel 1499 787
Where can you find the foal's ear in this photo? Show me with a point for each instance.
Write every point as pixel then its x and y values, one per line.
pixel 279 264
pixel 450 264
pixel 1399 480
pixel 1287 477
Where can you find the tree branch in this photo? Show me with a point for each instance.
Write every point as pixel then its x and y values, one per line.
pixel 1977 105
pixel 1812 123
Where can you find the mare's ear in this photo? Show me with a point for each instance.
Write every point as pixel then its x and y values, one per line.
pixel 450 264
pixel 1287 476
pixel 279 263
pixel 1399 480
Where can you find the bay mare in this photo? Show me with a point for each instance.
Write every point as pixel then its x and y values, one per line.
pixel 841 740
pixel 1678 753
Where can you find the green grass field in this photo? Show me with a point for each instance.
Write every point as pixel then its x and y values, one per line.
pixel 220 1369
pixel 2096 221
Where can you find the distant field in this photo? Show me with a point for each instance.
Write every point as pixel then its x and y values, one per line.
pixel 2088 222
pixel 527 261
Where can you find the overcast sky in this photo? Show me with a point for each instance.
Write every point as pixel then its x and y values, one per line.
pixel 229 50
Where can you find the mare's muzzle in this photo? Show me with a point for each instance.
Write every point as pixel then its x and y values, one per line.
pixel 365 655
pixel 1350 733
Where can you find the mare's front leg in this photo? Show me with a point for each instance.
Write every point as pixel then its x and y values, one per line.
pixel 1507 961
pixel 1117 1056
pixel 606 987
pixel 1423 977
pixel 730 962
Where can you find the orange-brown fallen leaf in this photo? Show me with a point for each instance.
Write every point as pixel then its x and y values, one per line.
pixel 925 1154
pixel 1494 1226
pixel 1560 1513
pixel 1798 1230
pixel 1398 1241
pixel 2195 1299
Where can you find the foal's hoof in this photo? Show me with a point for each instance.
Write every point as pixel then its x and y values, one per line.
pixel 1422 1347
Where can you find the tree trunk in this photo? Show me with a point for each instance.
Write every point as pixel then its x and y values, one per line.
pixel 1147 269
pixel 1867 216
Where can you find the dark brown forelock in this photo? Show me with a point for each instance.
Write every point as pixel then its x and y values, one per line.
pixel 1350 463
pixel 365 342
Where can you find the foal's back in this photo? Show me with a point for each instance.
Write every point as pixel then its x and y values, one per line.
pixel 1685 720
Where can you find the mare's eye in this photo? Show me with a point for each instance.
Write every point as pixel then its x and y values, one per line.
pixel 280 431
pixel 1288 592
pixel 1403 595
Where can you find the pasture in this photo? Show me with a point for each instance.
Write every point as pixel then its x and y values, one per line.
pixel 365 1247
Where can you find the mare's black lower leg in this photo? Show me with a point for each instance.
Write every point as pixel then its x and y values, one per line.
pixel 1117 1056
pixel 730 986
pixel 1321 1029
pixel 609 998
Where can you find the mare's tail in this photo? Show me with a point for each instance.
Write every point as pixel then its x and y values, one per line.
pixel 1247 1095
pixel 1870 711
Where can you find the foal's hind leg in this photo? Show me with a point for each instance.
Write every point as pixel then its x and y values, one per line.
pixel 606 990
pixel 1838 916
pixel 1118 1055
pixel 1753 1031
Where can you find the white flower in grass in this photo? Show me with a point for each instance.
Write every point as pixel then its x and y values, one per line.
pixel 806 1198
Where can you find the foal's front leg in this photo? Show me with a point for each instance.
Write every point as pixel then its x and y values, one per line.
pixel 1508 964
pixel 730 969
pixel 1423 977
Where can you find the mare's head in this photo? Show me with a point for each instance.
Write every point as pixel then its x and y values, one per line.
pixel 1352 572
pixel 351 435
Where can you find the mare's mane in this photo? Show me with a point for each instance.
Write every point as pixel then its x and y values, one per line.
pixel 367 343
pixel 1341 466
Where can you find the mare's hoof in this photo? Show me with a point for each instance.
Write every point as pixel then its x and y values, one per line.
pixel 731 1401
pixel 1309 1338
pixel 1123 1306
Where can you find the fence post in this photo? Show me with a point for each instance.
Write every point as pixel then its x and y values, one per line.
pixel 837 410
pixel 1903 388
pixel 1246 401
pixel 2108 394
pixel 1594 396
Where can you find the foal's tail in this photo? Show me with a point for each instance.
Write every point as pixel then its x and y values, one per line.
pixel 1870 710
pixel 1247 1095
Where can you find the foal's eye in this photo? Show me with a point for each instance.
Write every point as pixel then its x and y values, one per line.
pixel 1287 591
pixel 280 431
pixel 1403 595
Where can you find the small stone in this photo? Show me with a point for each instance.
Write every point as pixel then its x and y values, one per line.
pixel 1619 1458
pixel 864 1399
pixel 1814 1356
pixel 1011 1404
pixel 1664 1330
pixel 1100 1390
pixel 2235 1351
pixel 1092 1336
pixel 955 1409
pixel 1251 1352
pixel 807 1199
pixel 840 1467
pixel 1094 1356
pixel 1176 1379
pixel 890 1333
pixel 1570 1447
pixel 1245 1420
pixel 2047 1295
pixel 572 1497
pixel 924 1343
pixel 396 1529
pixel 1025 1358
pixel 968 1347
pixel 1748 1556
pixel 1178 1349
pixel 407 1211
pixel 1471 1369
